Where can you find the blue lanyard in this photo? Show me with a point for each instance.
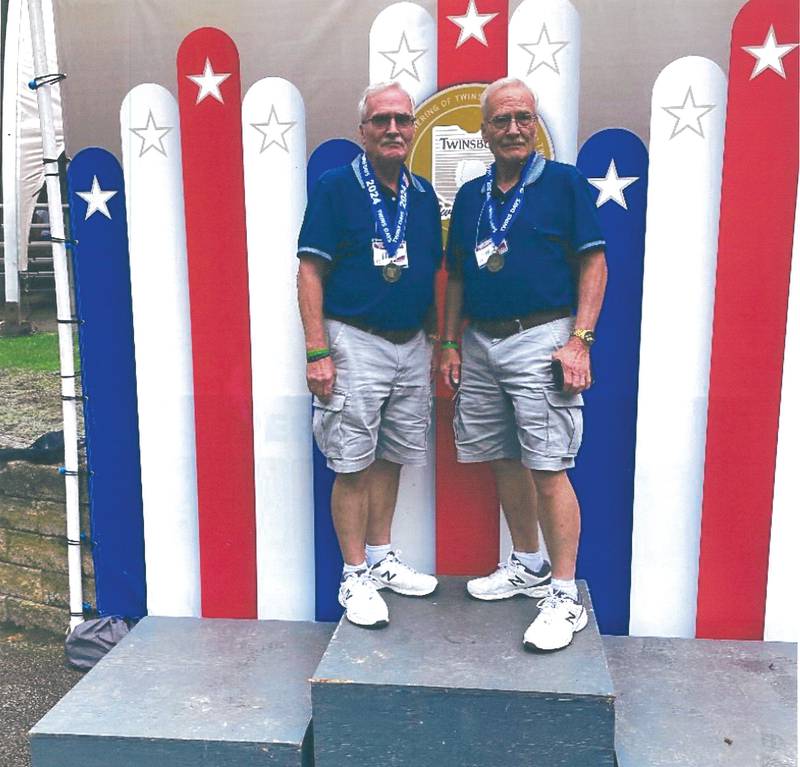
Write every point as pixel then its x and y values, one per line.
pixel 391 239
pixel 509 213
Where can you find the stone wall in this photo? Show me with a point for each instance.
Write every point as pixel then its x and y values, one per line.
pixel 34 589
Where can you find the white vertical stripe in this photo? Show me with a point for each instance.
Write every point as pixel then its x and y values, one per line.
pixel 163 345
pixel 781 621
pixel 398 29
pixel 274 141
pixel 544 45
pixel 677 310
pixel 402 47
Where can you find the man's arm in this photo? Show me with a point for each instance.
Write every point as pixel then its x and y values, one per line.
pixel 450 362
pixel 320 375
pixel 574 355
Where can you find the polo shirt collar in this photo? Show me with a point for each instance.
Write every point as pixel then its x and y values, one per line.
pixel 531 177
pixel 355 165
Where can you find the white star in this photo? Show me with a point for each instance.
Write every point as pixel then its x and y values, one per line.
pixel 472 24
pixel 688 115
pixel 209 83
pixel 151 135
pixel 769 55
pixel 273 131
pixel 404 59
pixel 611 186
pixel 543 51
pixel 96 199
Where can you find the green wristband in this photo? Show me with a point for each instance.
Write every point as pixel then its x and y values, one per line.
pixel 312 355
pixel 449 344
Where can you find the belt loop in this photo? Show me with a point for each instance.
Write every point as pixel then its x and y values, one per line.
pixel 520 326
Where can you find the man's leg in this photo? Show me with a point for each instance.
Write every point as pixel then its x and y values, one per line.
pixel 349 506
pixel 560 518
pixel 382 485
pixel 357 592
pixel 517 495
pixel 561 614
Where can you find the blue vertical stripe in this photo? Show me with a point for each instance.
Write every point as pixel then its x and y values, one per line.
pixel 103 290
pixel 603 475
pixel 328 558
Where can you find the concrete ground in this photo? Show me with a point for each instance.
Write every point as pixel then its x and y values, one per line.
pixel 33 678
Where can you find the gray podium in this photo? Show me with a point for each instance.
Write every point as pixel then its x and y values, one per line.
pixel 449 683
pixel 191 692
pixel 446 684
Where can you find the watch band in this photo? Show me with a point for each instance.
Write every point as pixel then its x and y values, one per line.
pixel 585 335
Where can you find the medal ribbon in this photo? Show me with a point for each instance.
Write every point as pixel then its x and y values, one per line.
pixel 391 240
pixel 511 210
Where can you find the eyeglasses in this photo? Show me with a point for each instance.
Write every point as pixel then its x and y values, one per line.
pixel 383 119
pixel 522 119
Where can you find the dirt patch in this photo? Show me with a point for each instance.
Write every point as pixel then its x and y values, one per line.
pixel 30 405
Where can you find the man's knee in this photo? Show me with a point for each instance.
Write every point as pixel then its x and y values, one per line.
pixel 550 483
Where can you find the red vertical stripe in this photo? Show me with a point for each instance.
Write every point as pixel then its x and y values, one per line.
pixel 472 61
pixel 211 137
pixel 467 509
pixel 755 246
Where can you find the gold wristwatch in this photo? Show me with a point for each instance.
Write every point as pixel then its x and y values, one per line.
pixel 587 336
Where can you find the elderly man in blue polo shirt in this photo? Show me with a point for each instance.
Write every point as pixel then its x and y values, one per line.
pixel 517 238
pixel 369 248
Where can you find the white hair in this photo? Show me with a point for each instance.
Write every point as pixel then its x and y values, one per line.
pixel 497 85
pixel 373 90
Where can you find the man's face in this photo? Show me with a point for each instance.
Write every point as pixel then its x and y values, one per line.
pixel 509 142
pixel 383 139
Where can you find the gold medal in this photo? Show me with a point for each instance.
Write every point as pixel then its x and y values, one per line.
pixel 496 261
pixel 392 272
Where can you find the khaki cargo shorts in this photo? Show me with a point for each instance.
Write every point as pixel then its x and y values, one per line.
pixel 381 402
pixel 507 405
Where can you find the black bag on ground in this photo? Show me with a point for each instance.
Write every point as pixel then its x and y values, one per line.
pixel 89 641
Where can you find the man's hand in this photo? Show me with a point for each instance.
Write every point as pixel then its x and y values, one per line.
pixel 450 368
pixel 320 377
pixel 575 360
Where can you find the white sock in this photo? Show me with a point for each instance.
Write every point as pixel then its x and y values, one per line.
pixel 568 587
pixel 347 569
pixel 533 560
pixel 376 553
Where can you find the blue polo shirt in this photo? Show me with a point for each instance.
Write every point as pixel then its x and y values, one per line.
pixel 558 220
pixel 338 226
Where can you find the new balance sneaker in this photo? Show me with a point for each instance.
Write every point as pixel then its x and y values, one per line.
pixel 392 573
pixel 511 578
pixel 560 617
pixel 362 603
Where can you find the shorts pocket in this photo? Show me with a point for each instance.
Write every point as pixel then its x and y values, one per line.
pixel 327 424
pixel 564 424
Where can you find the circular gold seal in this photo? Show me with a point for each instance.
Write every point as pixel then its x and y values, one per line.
pixel 448 147
pixel 496 261
pixel 392 272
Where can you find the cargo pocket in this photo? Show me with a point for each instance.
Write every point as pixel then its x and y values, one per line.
pixel 328 424
pixel 564 423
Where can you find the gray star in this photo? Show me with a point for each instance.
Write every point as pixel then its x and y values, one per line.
pixel 273 131
pixel 404 59
pixel 543 51
pixel 688 115
pixel 151 135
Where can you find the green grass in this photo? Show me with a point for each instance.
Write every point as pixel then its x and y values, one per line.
pixel 35 352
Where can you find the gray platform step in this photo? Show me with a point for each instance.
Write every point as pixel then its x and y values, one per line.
pixel 191 692
pixel 704 703
pixel 449 683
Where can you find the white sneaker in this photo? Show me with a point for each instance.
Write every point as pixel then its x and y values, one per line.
pixel 363 605
pixel 511 578
pixel 392 573
pixel 560 617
